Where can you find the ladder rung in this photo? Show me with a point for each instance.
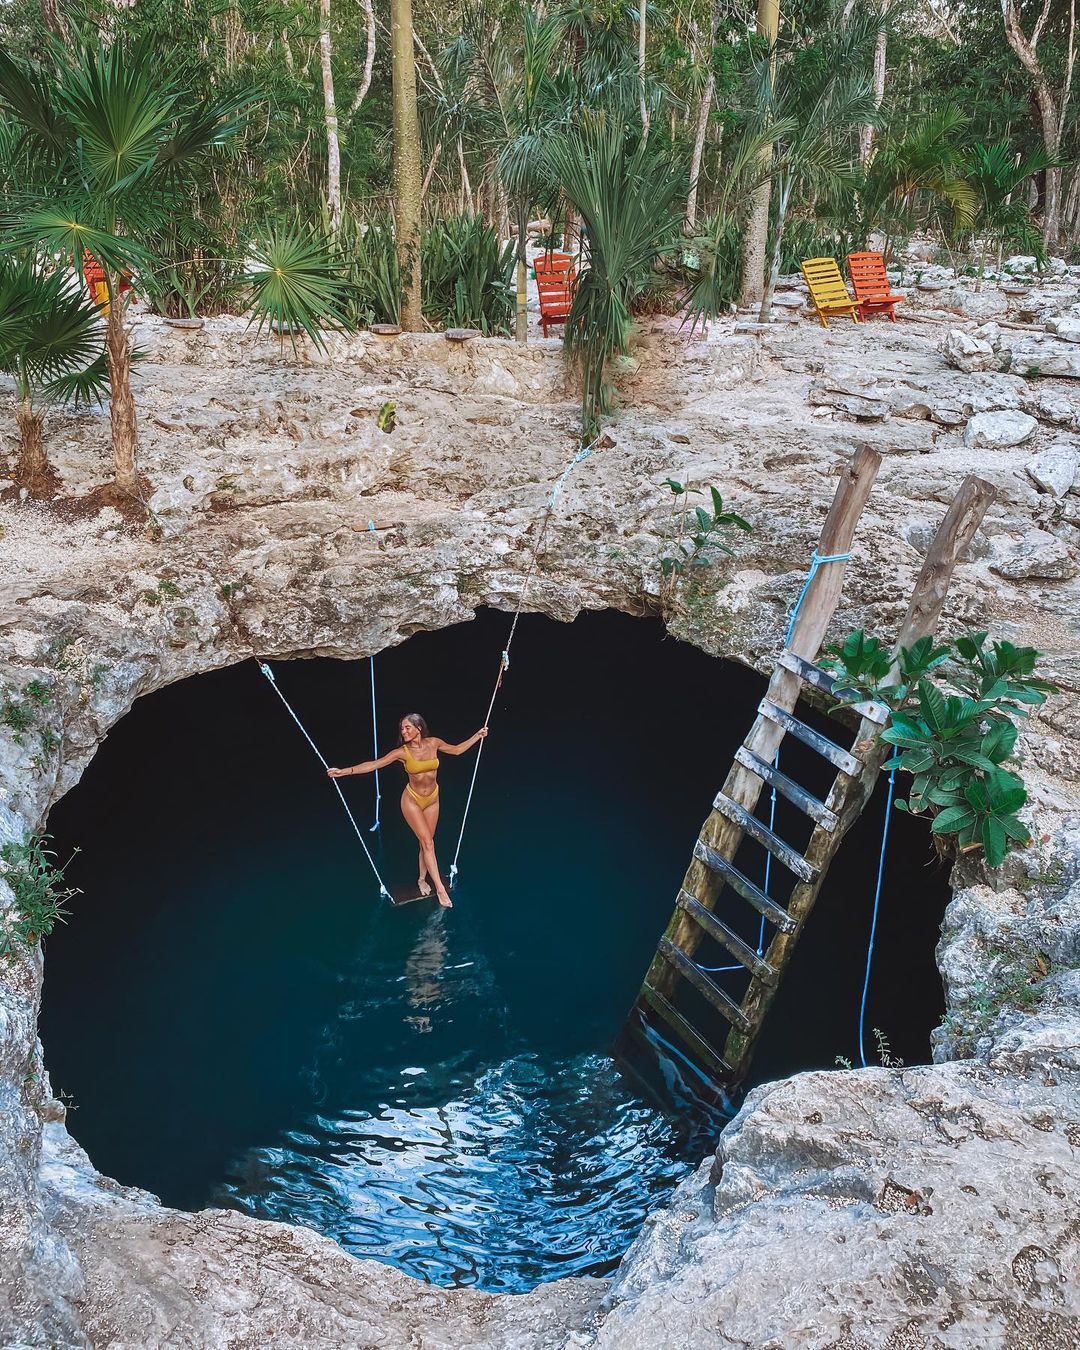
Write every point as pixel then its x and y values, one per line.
pixel 783 853
pixel 808 804
pixel 826 683
pixel 713 1061
pixel 694 975
pixel 776 914
pixel 842 759
pixel 742 951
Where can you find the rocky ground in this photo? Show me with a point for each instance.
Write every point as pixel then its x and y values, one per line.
pixel 931 1206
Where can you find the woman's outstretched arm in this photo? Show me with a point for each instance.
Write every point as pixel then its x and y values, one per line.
pixel 465 745
pixel 369 765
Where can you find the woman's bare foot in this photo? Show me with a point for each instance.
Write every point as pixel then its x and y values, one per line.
pixel 444 899
pixel 423 887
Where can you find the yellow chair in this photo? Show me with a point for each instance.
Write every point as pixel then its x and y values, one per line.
pixel 828 293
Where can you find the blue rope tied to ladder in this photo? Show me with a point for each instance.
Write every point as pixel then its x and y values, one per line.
pixel 337 786
pixel 874 915
pixel 816 560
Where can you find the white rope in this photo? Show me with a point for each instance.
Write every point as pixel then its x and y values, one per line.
pixel 375 744
pixel 504 660
pixel 337 786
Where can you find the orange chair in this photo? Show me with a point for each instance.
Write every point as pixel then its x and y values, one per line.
pixel 556 276
pixel 871 285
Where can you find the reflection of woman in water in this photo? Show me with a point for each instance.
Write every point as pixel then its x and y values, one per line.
pixel 419 752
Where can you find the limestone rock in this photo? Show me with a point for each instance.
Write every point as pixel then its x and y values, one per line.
pixel 999 430
pixel 1065 327
pixel 1055 468
pixel 857 397
pixel 1035 355
pixel 1038 554
pixel 965 352
pixel 969 1263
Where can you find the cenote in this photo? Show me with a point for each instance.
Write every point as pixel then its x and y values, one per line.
pixel 240 1021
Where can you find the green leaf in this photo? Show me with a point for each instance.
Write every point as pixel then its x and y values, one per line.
pixel 994 841
pixel 703 519
pixel 953 818
pixel 932 706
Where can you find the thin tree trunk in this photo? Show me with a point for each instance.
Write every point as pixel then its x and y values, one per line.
pixel 407 176
pixel 333 148
pixel 432 166
pixel 53 16
pixel 521 317
pixel 32 469
pixel 125 430
pixel 765 313
pixel 866 133
pixel 466 185
pixel 702 124
pixel 642 34
pixel 369 56
pixel 1052 107
pixel 756 234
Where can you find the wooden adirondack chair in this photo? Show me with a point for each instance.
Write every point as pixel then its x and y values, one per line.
pixel 871 285
pixel 555 278
pixel 94 275
pixel 828 293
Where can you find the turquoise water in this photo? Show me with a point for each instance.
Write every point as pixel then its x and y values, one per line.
pixel 241 1021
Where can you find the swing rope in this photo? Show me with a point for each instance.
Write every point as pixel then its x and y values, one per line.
pixel 375 744
pixel 874 914
pixel 504 660
pixel 337 787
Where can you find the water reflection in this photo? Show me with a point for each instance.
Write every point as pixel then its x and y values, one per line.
pixel 436 1158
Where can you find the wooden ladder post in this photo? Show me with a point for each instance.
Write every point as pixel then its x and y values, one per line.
pixel 849 796
pixel 741 785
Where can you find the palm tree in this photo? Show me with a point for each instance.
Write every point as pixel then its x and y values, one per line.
pixel 1002 215
pixel 915 173
pixel 111 138
pixel 630 203
pixel 407 175
pixel 52 345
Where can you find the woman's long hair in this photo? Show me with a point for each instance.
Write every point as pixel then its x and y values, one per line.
pixel 418 722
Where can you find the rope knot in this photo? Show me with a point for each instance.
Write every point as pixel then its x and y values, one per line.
pixel 506 660
pixel 267 671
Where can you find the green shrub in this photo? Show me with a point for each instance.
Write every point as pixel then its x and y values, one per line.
pixel 954 741
pixel 467 276
pixel 38 891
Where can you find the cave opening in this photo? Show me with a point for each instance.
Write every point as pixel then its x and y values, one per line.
pixel 240 1020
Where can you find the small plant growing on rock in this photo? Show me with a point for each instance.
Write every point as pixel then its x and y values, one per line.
pixel 39 894
pixel 952 727
pixel 694 533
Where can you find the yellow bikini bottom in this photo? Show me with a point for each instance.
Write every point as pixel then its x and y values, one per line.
pixel 422 799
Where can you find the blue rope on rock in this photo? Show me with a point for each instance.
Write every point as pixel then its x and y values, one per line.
pixel 337 786
pixel 874 918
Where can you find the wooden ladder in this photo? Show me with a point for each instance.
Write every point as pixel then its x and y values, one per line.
pixel 712 871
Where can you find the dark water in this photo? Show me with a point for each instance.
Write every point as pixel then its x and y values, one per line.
pixel 241 1021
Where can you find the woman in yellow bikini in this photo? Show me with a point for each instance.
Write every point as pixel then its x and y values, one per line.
pixel 419 752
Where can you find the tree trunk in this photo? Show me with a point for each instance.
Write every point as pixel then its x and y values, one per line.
pixel 765 313
pixel 756 234
pixel 702 125
pixel 333 149
pixel 32 469
pixel 407 176
pixel 54 19
pixel 866 133
pixel 641 36
pixel 1052 106
pixel 369 56
pixel 521 318
pixel 125 430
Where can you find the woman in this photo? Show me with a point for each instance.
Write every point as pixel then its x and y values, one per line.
pixel 418 750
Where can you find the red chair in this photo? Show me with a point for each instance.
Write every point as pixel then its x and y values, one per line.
pixel 98 286
pixel 556 276
pixel 871 285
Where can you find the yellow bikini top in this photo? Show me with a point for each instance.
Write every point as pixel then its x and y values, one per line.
pixel 420 765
